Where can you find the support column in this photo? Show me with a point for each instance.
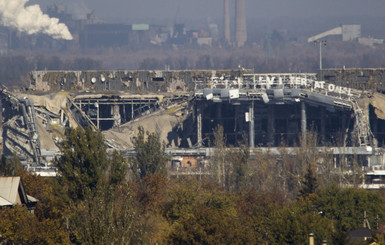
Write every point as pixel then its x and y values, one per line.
pixel 323 126
pixel 271 126
pixel 88 108
pixel 124 113
pixel 219 116
pixel 235 124
pixel 199 123
pixel 251 125
pixel 116 115
pixel 344 125
pixel 303 122
pixel 375 131
pixel 132 110
pixel 97 114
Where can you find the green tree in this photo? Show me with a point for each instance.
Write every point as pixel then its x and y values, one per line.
pixel 9 167
pixel 3 166
pixel 51 203
pixel 107 216
pixel 19 226
pixel 200 214
pixel 46 225
pixel 309 183
pixel 151 194
pixel 150 158
pixel 83 162
pixel 118 168
pixel 346 208
pixel 292 223
pixel 257 209
pixel 101 204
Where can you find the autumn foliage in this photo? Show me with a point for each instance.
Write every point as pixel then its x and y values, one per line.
pixel 108 207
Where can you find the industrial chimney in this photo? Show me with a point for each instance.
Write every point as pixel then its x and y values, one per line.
pixel 226 23
pixel 240 23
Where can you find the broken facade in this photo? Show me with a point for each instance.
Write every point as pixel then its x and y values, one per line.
pixel 184 107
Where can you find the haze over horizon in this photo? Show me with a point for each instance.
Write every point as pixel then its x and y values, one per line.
pixel 300 17
pixel 139 10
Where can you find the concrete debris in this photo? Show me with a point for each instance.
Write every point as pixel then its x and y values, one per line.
pixel 378 102
pixel 184 108
pixel 164 123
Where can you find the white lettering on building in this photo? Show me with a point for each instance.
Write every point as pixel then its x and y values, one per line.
pixel 302 82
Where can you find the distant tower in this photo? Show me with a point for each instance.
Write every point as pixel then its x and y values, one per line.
pixel 227 21
pixel 240 23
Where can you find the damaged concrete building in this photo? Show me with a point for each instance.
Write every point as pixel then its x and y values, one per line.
pixel 345 110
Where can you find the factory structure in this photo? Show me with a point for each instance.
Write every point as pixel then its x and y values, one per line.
pixel 240 35
pixel 91 33
pixel 272 111
pixel 346 33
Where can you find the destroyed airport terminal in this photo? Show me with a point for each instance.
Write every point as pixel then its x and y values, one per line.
pixel 344 107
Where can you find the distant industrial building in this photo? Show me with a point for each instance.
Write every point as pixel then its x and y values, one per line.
pixel 93 33
pixel 240 34
pixel 113 35
pixel 345 32
pixel 370 41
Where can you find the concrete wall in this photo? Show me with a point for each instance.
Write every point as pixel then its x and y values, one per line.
pixel 124 80
pixel 371 79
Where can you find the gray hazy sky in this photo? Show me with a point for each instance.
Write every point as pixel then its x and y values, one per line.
pixel 211 10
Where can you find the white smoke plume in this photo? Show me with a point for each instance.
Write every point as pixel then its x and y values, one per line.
pixel 30 19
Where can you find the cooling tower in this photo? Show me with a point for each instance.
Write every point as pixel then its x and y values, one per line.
pixel 240 23
pixel 227 21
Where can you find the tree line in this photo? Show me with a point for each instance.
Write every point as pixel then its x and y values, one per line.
pixel 101 198
pixel 277 57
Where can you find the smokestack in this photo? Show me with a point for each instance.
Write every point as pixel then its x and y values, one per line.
pixel 227 21
pixel 240 23
pixel 31 19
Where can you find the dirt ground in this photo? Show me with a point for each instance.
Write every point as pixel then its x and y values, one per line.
pixel 163 123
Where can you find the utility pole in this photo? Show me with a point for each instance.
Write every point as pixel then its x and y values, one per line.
pixel 320 43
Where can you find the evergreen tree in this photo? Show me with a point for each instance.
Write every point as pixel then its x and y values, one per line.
pixel 103 211
pixel 9 167
pixel 83 162
pixel 150 158
pixel 3 166
pixel 118 169
pixel 309 184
